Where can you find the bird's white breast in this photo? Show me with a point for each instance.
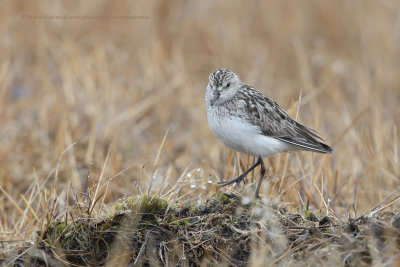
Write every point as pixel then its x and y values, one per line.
pixel 240 135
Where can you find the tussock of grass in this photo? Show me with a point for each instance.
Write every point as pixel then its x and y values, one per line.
pixel 147 231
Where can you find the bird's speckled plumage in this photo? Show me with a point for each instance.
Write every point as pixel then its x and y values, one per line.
pixel 239 114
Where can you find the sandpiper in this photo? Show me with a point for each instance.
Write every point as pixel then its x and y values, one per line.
pixel 246 120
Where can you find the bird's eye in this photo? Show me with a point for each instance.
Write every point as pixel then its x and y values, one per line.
pixel 228 84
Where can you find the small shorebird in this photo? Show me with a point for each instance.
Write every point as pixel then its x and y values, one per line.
pixel 246 120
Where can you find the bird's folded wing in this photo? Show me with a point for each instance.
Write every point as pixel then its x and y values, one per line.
pixel 306 143
pixel 273 121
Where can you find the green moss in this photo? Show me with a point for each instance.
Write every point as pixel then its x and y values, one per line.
pixel 154 205
pixel 61 227
pixel 223 198
pixel 307 213
pixel 151 208
pixel 170 218
pixel 310 216
pixel 119 207
pixel 194 209
pixel 131 203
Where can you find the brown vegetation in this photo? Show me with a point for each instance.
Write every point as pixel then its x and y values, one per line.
pixel 95 109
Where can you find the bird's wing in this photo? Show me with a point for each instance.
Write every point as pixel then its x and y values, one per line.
pixel 275 122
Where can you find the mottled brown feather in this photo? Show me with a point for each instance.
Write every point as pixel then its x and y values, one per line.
pixel 273 121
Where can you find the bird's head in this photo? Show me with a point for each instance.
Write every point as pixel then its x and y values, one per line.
pixel 222 86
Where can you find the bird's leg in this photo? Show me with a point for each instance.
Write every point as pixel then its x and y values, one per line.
pixel 262 173
pixel 240 178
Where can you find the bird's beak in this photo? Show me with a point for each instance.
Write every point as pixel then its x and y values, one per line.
pixel 215 97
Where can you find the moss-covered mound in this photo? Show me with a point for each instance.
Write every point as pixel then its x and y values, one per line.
pixel 225 229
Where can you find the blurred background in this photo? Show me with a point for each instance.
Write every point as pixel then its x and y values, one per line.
pixel 112 94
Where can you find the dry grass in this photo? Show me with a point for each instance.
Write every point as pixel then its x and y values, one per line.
pixel 224 230
pixel 99 109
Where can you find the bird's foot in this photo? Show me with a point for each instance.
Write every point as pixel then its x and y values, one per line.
pixel 236 180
